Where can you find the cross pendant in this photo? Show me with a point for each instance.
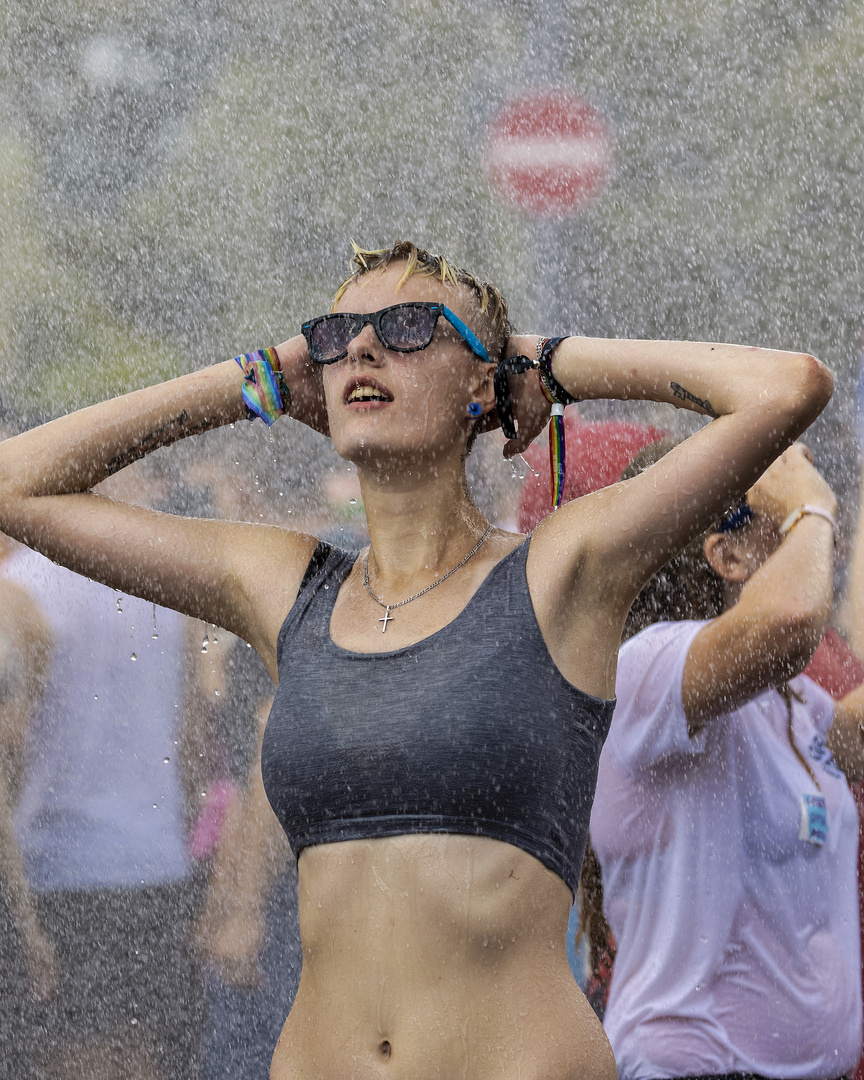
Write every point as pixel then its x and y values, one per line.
pixel 387 618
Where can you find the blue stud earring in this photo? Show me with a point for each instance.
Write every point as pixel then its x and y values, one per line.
pixel 475 408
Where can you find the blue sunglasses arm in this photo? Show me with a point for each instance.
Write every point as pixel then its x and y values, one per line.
pixel 468 336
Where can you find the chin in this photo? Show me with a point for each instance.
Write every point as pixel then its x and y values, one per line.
pixel 415 444
pixel 364 449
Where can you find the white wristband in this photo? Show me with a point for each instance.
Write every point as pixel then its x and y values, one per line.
pixel 796 515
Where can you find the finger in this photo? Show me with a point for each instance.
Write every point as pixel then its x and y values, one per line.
pixel 523 441
pixel 488 422
pixel 515 447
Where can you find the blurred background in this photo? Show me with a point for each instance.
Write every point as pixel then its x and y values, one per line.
pixel 179 181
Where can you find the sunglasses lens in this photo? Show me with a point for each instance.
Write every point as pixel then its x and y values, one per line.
pixel 407 327
pixel 330 338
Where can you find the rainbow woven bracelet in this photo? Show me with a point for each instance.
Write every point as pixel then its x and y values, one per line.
pixel 265 394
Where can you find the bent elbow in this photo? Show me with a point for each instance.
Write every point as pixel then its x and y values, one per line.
pixel 807 386
pixel 819 380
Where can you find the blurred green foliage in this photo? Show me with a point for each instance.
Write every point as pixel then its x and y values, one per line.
pixel 179 181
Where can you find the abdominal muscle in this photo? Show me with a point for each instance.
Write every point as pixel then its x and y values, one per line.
pixel 436 956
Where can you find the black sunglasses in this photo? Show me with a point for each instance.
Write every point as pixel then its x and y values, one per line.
pixel 405 327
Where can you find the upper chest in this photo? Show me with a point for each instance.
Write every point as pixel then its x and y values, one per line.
pixel 493 598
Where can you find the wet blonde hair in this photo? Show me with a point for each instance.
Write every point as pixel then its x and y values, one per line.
pixel 493 324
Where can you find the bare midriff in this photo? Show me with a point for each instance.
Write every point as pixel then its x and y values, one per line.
pixel 436 956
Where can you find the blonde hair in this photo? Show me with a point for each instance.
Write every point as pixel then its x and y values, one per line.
pixel 493 327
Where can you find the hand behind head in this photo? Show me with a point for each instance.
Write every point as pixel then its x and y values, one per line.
pixel 790 482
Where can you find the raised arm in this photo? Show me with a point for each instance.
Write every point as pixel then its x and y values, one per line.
pixel 760 400
pixel 234 575
pixel 846 736
pixel 772 631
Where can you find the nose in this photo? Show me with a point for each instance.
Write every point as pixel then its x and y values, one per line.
pixel 366 347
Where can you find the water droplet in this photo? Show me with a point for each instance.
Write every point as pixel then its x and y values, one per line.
pixel 134 656
pixel 205 642
pixel 166 760
pixel 154 636
pixel 119 608
pixel 352 502
pixel 134 1020
pixel 95 697
pixel 155 807
pixel 216 692
pixel 203 794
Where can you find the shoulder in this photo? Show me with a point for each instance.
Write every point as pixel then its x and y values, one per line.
pixel 649 724
pixel 658 648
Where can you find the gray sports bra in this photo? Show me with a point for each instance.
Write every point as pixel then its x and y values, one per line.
pixel 472 730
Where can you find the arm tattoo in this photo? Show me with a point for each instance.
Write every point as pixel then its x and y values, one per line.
pixel 162 436
pixel 685 395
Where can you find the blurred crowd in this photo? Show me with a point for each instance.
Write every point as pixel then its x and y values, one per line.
pixel 148 908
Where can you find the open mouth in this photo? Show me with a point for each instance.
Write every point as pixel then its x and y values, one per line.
pixel 366 393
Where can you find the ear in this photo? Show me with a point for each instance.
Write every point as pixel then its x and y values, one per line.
pixel 484 388
pixel 726 558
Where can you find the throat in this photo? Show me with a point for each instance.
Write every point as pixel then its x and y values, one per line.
pixel 387 617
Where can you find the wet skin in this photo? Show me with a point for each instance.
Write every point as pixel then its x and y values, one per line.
pixel 396 976
pixel 427 956
pixel 436 956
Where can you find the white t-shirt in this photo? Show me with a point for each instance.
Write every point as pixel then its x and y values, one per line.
pixel 102 803
pixel 738 942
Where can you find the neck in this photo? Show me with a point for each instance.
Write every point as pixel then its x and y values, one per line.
pixel 420 524
pixel 731 593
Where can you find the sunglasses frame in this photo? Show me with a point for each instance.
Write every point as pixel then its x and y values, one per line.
pixel 373 319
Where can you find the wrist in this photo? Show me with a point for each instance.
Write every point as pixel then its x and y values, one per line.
pixel 264 391
pixel 304 382
pixel 795 516
pixel 552 388
pixel 293 357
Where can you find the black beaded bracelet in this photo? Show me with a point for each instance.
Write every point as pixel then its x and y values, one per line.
pixel 555 389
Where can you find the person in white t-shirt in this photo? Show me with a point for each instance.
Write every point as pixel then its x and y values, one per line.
pixel 723 824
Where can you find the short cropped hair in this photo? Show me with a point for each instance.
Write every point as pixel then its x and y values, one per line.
pixel 493 323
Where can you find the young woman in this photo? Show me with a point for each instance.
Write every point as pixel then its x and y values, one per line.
pixel 726 833
pixel 444 696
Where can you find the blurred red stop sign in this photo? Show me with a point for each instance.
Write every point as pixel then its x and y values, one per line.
pixel 550 152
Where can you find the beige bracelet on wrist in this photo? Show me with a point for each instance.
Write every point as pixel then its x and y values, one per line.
pixel 802 511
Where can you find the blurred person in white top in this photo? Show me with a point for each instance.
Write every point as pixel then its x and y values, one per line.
pixel 723 824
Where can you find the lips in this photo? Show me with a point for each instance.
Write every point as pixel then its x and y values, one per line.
pixel 365 391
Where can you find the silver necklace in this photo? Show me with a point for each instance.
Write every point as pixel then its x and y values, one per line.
pixel 392 607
